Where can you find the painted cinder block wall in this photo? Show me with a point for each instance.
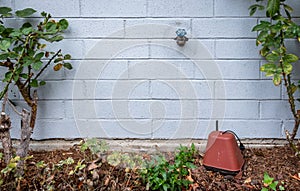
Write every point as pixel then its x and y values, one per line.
pixel 131 79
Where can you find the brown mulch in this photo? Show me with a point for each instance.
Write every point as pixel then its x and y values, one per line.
pixel 279 162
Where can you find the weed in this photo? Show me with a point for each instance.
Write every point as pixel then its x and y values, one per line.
pixel 270 184
pixel 161 174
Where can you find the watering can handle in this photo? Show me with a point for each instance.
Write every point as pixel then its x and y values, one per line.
pixel 242 147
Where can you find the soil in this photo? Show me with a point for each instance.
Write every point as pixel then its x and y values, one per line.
pixel 279 162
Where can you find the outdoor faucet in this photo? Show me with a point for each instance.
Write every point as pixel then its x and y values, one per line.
pixel 181 38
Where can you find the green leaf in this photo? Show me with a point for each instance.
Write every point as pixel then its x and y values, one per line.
pixel 5 44
pixel 5 11
pixel 26 31
pixel 34 83
pixel 273 7
pixel 288 8
pixel 68 66
pixel 24 75
pixel 267 179
pixel 56 38
pixel 51 27
pixel 42 83
pixel 67 57
pixel 16 33
pixel 261 37
pixel 26 25
pixel 8 76
pixel 58 60
pixel 281 188
pixel 293 88
pixel 290 58
pixel 264 25
pixel 273 185
pixel 4 56
pixel 25 12
pixel 272 57
pixel 270 68
pixel 63 24
pixel 165 187
pixel 277 79
pixel 2 28
pixel 253 8
pixel 287 67
pixel 39 56
pixel 37 65
pixel 264 51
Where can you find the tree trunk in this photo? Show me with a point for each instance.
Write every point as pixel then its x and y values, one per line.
pixel 26 131
pixel 5 136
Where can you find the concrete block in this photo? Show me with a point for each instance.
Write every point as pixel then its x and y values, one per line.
pixel 118 8
pixel 115 70
pixel 275 110
pixel 66 8
pixel 56 90
pixel 154 69
pixel 51 110
pixel 253 128
pixel 49 129
pixel 224 28
pixel 95 28
pixel 227 109
pixel 178 8
pixel 181 129
pixel 227 69
pixel 161 69
pixel 6 3
pixel 122 89
pixel 292 46
pixel 68 46
pixel 109 109
pixel 111 89
pixel 285 95
pixel 295 72
pixel 234 8
pixel 242 48
pixel 173 109
pixel 155 28
pixel 246 90
pixel 116 49
pixel 115 128
pixel 184 89
pixel 92 89
pixel 204 89
pixel 194 49
pixel 50 74
pixel 131 109
pixel 294 4
pixel 97 70
pixel 289 125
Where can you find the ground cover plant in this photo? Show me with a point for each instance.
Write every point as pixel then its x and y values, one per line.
pixel 81 168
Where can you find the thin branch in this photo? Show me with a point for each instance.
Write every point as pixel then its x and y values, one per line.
pixel 28 79
pixel 49 62
pixel 4 102
pixel 14 108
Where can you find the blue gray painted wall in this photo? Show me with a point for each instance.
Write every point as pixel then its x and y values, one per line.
pixel 131 79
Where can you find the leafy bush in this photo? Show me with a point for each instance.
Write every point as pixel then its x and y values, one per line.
pixel 272 37
pixel 160 174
